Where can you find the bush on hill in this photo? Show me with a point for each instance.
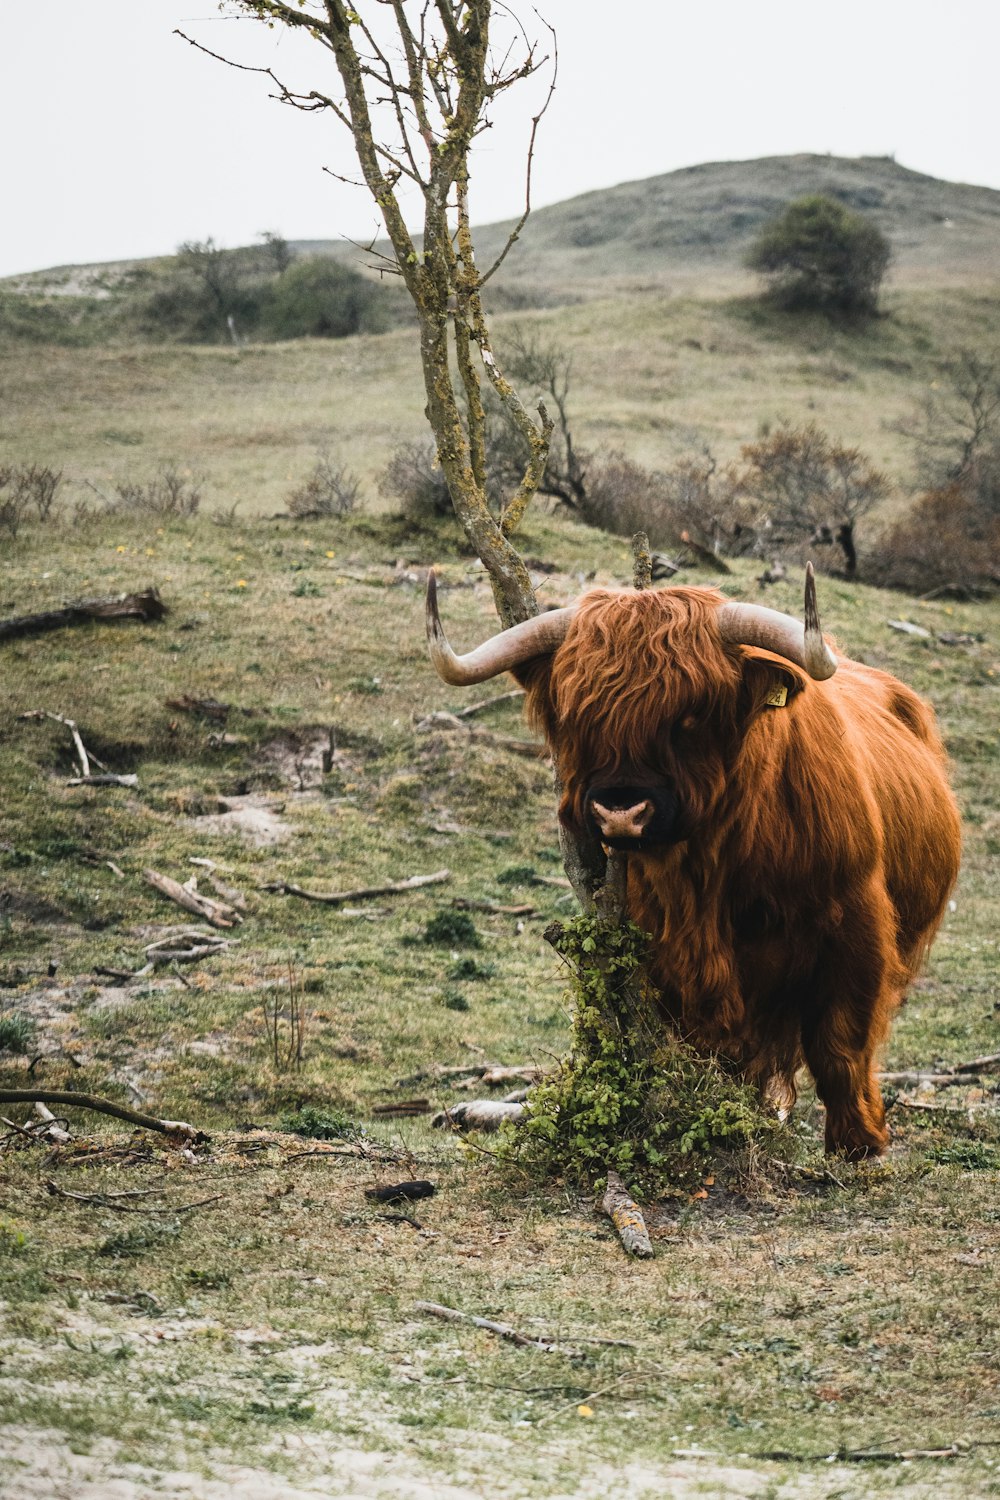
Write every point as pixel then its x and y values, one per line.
pixel 321 298
pixel 818 254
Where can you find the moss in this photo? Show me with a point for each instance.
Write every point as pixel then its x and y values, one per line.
pixel 451 929
pixel 630 1096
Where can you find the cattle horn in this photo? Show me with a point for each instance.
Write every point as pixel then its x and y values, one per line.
pixel 753 625
pixel 520 643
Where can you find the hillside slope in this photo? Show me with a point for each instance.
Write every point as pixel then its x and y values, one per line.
pixel 695 225
pixel 692 227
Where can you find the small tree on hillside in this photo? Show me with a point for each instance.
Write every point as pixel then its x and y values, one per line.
pixel 818 254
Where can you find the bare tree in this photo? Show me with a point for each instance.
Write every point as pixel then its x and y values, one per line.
pixel 956 428
pixel 809 488
pixel 418 80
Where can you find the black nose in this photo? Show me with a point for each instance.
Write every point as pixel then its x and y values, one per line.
pixel 632 817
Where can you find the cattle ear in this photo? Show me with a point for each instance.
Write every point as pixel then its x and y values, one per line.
pixel 769 683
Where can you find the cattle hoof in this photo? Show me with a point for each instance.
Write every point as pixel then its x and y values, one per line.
pixel 478 1114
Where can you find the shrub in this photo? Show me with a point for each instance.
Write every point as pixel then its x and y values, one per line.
pixel 947 542
pixel 328 490
pixel 170 492
pixel 17 1032
pixel 414 477
pixel 321 298
pixel 818 254
pixel 318 1124
pixel 451 929
pixel 27 492
pixel 689 504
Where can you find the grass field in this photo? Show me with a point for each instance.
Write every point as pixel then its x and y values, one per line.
pixel 655 375
pixel 266 1342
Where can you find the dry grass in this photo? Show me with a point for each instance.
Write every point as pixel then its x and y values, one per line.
pixel 653 374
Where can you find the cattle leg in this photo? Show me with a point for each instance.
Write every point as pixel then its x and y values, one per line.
pixel 842 1031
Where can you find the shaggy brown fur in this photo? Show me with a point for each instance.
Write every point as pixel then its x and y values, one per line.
pixel 821 838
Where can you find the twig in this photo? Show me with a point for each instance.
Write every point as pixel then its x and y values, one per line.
pixel 81 753
pixel 338 898
pixel 502 1330
pixel 101 1106
pixel 485 703
pixel 217 913
pixel 112 1200
pixel 626 1215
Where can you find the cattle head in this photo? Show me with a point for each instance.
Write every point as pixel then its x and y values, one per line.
pixel 646 697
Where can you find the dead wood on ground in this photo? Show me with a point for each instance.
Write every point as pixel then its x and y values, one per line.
pixel 338 898
pixel 145 606
pixel 217 913
pixel 626 1215
pixel 101 1106
pixel 114 1200
pixel 485 703
pixel 502 1330
pixel 964 1072
pixel 442 720
pixel 493 908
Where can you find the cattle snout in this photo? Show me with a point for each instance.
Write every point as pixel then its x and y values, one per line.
pixel 632 817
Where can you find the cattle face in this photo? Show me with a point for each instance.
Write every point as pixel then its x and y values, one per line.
pixel 790 836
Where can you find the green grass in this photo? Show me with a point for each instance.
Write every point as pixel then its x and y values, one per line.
pixel 275 1328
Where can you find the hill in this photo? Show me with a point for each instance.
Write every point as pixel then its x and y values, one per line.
pixel 695 225
pixel 690 227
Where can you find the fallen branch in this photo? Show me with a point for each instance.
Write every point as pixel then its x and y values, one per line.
pixel 337 898
pixel 502 1330
pixel 52 1131
pixel 626 1215
pixel 865 1456
pixel 217 913
pixel 113 1200
pixel 442 720
pixel 466 903
pixel 485 703
pixel 187 947
pixel 145 606
pixel 496 1077
pixel 101 1106
pixel 907 627
pixel 479 1114
pixel 964 1072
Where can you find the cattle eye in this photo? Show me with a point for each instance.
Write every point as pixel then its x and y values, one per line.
pixel 687 723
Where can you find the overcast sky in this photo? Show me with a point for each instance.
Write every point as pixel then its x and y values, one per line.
pixel 120 140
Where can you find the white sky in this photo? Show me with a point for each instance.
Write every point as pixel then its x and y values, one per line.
pixel 120 140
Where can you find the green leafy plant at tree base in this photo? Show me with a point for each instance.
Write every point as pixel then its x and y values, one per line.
pixel 631 1095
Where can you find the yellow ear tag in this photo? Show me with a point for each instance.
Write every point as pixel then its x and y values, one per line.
pixel 777 697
